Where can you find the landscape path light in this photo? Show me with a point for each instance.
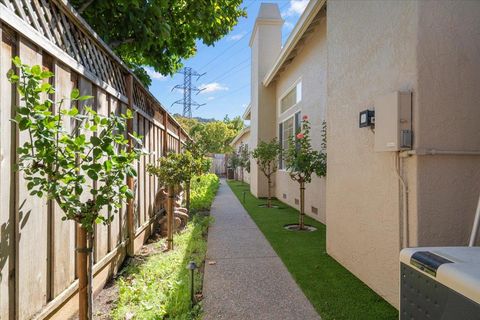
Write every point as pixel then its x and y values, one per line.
pixel 192 266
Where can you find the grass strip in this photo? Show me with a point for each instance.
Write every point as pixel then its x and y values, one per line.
pixel 333 290
pixel 159 287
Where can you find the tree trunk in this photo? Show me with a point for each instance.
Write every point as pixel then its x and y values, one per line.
pixel 301 223
pixel 82 260
pixel 187 201
pixel 170 217
pixel 269 199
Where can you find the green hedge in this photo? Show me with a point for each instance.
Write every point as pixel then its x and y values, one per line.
pixel 203 191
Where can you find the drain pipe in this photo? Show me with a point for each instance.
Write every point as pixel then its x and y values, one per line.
pixel 403 226
pixel 476 225
pixel 434 152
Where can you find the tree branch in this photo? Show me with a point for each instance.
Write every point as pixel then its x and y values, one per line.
pixel 85 6
pixel 117 43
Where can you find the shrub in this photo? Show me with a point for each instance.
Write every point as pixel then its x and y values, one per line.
pixel 204 189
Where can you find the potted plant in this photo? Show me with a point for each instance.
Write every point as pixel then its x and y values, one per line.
pixel 302 162
pixel 266 155
pixel 57 161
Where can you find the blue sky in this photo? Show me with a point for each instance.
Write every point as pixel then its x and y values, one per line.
pixel 227 67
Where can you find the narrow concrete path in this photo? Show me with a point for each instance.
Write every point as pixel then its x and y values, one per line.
pixel 248 280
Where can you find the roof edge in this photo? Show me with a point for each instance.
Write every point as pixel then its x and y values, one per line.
pixel 307 17
pixel 239 135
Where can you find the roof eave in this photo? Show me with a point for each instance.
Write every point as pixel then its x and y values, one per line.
pixel 307 17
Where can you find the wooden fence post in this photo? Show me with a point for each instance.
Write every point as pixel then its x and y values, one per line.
pixel 170 216
pixel 130 180
pixel 179 132
pixel 165 134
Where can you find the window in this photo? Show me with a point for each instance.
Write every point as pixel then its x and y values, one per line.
pixel 293 97
pixel 286 129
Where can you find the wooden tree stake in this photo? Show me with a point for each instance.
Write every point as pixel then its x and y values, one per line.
pixel 170 218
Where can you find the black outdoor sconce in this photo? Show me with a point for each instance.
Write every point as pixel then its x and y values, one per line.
pixel 192 266
pixel 366 119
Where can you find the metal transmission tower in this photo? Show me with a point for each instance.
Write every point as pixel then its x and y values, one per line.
pixel 187 88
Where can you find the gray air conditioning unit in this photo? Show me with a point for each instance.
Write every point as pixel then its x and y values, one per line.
pixel 440 283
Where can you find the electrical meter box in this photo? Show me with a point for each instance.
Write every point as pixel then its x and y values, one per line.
pixel 393 122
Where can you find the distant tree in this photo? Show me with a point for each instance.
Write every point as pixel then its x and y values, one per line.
pixel 266 154
pixel 186 123
pixel 159 33
pixel 215 137
pixel 302 161
pixel 234 162
pixel 244 159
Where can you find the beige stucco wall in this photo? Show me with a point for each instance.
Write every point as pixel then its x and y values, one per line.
pixel 427 47
pixel 245 140
pixel 309 67
pixel 371 51
pixel 448 119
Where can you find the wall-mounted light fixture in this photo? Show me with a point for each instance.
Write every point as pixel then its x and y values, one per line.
pixel 366 119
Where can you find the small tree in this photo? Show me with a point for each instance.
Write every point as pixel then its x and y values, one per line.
pixel 244 159
pixel 174 169
pixel 302 162
pixel 234 162
pixel 56 161
pixel 266 155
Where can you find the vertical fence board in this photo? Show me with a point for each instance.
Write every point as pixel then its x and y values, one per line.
pixel 101 233
pixel 146 176
pixel 141 175
pixel 115 231
pixel 86 89
pixel 31 274
pixel 7 247
pixel 123 211
pixel 63 231
pixel 136 165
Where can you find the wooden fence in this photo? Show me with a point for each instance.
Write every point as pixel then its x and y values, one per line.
pixel 38 277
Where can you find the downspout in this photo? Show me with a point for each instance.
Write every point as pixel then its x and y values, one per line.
pixel 434 152
pixel 403 212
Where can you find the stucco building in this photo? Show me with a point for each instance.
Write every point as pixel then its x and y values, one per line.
pixel 411 178
pixel 242 140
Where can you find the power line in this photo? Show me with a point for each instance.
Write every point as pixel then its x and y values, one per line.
pixel 232 92
pixel 223 74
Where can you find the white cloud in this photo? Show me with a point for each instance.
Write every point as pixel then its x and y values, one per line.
pixel 237 36
pixel 210 98
pixel 296 7
pixel 154 74
pixel 212 87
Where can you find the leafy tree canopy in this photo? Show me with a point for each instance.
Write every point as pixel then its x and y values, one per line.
pixel 266 154
pixel 215 137
pixel 300 158
pixel 159 33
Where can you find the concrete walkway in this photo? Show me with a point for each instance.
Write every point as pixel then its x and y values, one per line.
pixel 248 280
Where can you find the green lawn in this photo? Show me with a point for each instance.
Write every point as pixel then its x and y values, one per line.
pixel 333 290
